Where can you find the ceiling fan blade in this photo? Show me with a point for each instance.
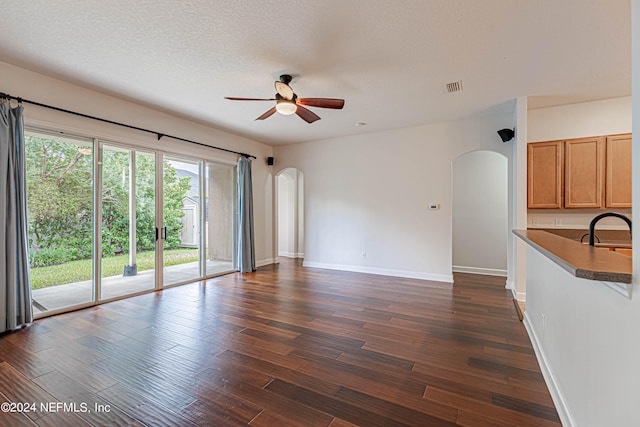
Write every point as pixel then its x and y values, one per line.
pixel 306 115
pixel 322 102
pixel 284 90
pixel 249 99
pixel 269 113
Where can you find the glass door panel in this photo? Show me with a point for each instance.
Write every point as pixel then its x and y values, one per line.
pixel 60 182
pixel 220 202
pixel 128 222
pixel 181 220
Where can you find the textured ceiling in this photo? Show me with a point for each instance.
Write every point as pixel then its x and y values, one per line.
pixel 390 60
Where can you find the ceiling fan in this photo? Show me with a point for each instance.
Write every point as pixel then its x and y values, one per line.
pixel 288 103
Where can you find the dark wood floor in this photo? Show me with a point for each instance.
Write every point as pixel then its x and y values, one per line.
pixel 285 346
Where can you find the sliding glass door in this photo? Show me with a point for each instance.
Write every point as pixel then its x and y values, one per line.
pixel 128 217
pixel 182 210
pixel 220 224
pixel 108 220
pixel 60 210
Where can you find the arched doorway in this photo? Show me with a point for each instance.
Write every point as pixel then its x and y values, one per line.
pixel 480 213
pixel 290 213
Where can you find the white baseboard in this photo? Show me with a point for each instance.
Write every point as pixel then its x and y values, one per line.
pixel 291 254
pixel 448 278
pixel 267 261
pixel 549 378
pixel 520 296
pixel 478 270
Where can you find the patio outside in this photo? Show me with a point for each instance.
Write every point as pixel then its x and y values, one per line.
pixel 67 295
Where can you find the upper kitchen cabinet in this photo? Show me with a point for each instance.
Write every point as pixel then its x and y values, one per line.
pixel 584 173
pixel 618 176
pixel 545 163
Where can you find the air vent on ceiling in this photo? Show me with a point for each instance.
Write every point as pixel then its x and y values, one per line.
pixel 454 87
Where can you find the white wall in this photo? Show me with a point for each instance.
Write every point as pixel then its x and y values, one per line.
pixel 37 87
pixel 517 262
pixel 480 211
pixel 587 342
pixel 366 196
pixel 604 117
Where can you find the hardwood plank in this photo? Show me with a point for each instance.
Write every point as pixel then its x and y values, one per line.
pixel 61 419
pixel 429 414
pixel 337 422
pixel 17 419
pixel 540 411
pixel 508 370
pixel 152 386
pixel 279 371
pixel 352 413
pixel 25 362
pixel 84 402
pixel 142 408
pixel 492 411
pixel 18 388
pixel 90 378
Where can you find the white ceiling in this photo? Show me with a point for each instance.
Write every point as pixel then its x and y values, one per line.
pixel 389 59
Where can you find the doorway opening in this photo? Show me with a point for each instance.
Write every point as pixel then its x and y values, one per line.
pixel 480 213
pixel 290 213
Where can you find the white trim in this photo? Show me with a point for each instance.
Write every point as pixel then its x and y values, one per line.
pixel 519 296
pixel 479 270
pixel 267 261
pixel 554 388
pixel 291 254
pixel 448 278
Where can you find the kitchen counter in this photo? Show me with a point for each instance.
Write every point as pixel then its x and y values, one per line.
pixel 584 261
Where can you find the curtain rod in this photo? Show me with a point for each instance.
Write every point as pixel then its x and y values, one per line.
pixel 159 134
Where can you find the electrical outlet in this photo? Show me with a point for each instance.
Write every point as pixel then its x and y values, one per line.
pixel 364 255
pixel 534 221
pixel 544 323
pixel 558 222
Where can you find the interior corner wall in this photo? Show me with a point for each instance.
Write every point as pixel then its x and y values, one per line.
pixel 47 90
pixel 517 270
pixel 367 196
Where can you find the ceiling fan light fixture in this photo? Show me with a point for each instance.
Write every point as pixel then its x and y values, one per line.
pixel 286 107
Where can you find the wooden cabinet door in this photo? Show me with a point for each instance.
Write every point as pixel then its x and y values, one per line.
pixel 584 173
pixel 618 181
pixel 545 162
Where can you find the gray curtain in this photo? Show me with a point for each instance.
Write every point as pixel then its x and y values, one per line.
pixel 246 245
pixel 15 290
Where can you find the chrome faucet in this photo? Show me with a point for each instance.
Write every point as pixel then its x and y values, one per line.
pixel 592 225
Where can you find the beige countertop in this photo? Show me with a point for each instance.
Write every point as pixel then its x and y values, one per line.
pixel 584 261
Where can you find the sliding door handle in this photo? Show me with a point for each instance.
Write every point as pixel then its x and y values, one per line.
pixel 161 233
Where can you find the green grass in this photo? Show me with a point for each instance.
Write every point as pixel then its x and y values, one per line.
pixel 81 270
